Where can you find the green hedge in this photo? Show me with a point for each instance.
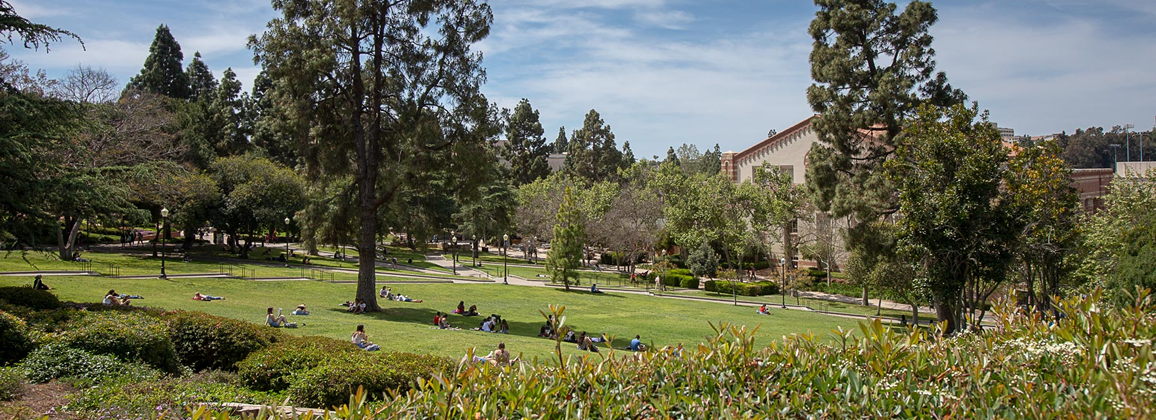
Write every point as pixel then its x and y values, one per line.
pixel 29 297
pixel 272 368
pixel 130 335
pixel 330 383
pixel 322 372
pixel 758 288
pixel 14 336
pixel 689 283
pixel 205 341
pixel 612 258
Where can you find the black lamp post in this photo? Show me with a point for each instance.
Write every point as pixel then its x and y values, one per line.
pixel 505 247
pixel 783 265
pixel 286 241
pixel 454 239
pixel 474 241
pixel 164 225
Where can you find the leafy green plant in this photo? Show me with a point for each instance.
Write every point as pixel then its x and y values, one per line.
pixel 54 361
pixel 160 398
pixel 133 336
pixel 204 341
pixel 11 383
pixel 29 297
pixel 332 381
pixel 14 335
pixel 273 368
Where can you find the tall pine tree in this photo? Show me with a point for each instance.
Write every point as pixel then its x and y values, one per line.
pixel 565 255
pixel 162 73
pixel 561 145
pixel 229 112
pixel 593 155
pixel 202 84
pixel 526 150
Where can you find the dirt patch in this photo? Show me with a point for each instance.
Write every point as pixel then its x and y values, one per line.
pixel 39 400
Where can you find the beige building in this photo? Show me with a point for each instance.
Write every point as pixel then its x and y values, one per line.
pixel 788 151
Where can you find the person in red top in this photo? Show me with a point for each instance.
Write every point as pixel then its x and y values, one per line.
pixel 438 319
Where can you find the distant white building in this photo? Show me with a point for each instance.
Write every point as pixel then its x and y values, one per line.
pixel 1008 134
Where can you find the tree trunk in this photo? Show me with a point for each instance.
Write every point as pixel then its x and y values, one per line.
pixel 865 302
pixel 945 311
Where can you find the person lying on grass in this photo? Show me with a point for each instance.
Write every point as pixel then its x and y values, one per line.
pixel 585 343
pixel 300 310
pixel 499 357
pixel 199 296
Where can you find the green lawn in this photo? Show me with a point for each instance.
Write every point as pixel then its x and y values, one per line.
pixel 816 304
pixel 406 326
pixel 109 263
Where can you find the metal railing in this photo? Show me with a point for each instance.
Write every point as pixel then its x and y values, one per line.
pixel 110 269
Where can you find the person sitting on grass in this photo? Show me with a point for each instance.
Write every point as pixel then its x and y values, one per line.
pixel 124 300
pixel 37 284
pixel 636 343
pixel 585 343
pixel 277 321
pixel 384 292
pixel 111 299
pixel 473 311
pixel 504 327
pixel 300 310
pixel 461 309
pixel 570 337
pixel 594 288
pixel 438 319
pixel 763 310
pixel 362 340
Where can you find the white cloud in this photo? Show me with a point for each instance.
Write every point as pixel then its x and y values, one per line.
pixel 34 11
pixel 1048 76
pixel 666 19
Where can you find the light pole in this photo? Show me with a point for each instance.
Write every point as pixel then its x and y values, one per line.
pixel 783 266
pixel 164 225
pixel 1128 142
pixel 1115 147
pixel 505 247
pixel 454 240
pixel 661 285
pixel 474 241
pixel 286 241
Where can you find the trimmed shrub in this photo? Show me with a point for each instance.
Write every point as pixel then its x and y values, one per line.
pixel 205 341
pixel 613 258
pixel 148 399
pixel 54 361
pixel 272 368
pixel 710 286
pixel 758 288
pixel 14 336
pixel 11 383
pixel 689 283
pixel 681 272
pixel 676 280
pixel 129 335
pixel 29 297
pixel 330 383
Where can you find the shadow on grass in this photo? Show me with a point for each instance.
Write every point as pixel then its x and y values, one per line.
pixel 423 315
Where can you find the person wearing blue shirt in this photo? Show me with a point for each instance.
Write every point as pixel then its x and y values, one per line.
pixel 636 343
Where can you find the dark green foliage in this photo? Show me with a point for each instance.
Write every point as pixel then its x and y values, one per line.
pixel 29 298
pixel 14 335
pixel 322 372
pixel 703 262
pixel 332 381
pixel 1136 263
pixel 758 288
pixel 11 383
pixel 33 34
pixel 526 150
pixel 593 154
pixel 688 283
pixel 210 342
pixel 616 258
pixel 55 361
pixel 566 249
pixel 162 73
pixel 133 336
pixel 202 84
pixel 561 145
pixel 272 368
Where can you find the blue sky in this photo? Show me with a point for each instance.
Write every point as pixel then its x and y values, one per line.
pixel 667 72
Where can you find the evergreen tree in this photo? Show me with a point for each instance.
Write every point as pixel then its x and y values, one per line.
pixel 872 68
pixel 560 143
pixel 565 255
pixel 202 84
pixel 272 129
pixel 162 73
pixel 593 154
pixel 627 156
pixel 672 157
pixel 229 114
pixel 526 150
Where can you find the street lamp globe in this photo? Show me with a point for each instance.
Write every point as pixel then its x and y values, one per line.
pixel 164 224
pixel 505 246
pixel 164 212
